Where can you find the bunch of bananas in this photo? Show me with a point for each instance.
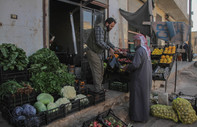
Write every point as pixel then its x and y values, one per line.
pixel 186 113
pixel 164 112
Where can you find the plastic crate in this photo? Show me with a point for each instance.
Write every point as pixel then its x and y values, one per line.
pixel 119 86
pixel 101 118
pixel 55 114
pixel 7 115
pixel 98 97
pixel 111 117
pixel 90 101
pixel 19 99
pixel 91 121
pixel 13 75
pixel 75 107
pixel 93 97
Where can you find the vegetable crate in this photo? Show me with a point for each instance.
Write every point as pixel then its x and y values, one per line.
pixel 33 121
pixel 97 97
pixel 55 113
pixel 106 119
pixel 86 101
pixel 119 86
pixel 13 75
pixel 12 101
pixel 75 106
pixel 93 97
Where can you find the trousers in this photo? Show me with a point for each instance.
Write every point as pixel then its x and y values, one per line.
pixel 97 69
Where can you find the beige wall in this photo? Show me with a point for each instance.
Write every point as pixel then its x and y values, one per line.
pixel 27 30
pixel 118 35
pixel 194 37
pixel 182 4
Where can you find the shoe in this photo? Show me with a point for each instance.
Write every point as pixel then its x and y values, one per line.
pixel 105 90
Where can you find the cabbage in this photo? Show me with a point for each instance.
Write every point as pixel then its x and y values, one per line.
pixel 52 105
pixel 40 107
pixel 64 100
pixel 17 111
pixel 28 110
pixel 68 92
pixel 19 118
pixel 83 99
pixel 32 122
pixel 45 98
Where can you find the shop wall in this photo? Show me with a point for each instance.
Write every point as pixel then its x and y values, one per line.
pixel 183 6
pixel 27 30
pixel 194 41
pixel 118 35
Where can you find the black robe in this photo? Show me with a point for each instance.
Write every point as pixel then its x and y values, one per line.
pixel 140 86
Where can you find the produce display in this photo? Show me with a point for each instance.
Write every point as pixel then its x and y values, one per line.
pixel 83 99
pixel 170 50
pixel 66 102
pixel 166 59
pixel 40 107
pixel 12 57
pixel 48 74
pixel 162 61
pixel 111 121
pixel 25 113
pixel 9 87
pixel 186 113
pixel 44 60
pixel 164 112
pixel 45 98
pixel 68 92
pixel 157 51
pixel 95 124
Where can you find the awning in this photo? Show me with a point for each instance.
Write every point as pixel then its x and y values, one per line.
pixel 137 19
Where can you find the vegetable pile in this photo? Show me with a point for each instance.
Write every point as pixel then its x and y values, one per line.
pixel 163 111
pixel 186 113
pixel 12 57
pixel 25 114
pixel 48 74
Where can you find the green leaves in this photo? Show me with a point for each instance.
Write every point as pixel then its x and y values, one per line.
pixel 44 60
pixel 48 74
pixel 9 87
pixel 12 57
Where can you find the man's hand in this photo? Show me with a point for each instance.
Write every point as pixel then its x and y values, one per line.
pixel 111 52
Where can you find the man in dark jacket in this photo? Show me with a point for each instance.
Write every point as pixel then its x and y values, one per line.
pixel 185 54
pixel 141 81
pixel 97 43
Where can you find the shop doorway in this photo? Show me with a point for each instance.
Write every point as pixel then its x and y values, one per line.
pixel 60 27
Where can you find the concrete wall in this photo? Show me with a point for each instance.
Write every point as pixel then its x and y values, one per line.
pixel 182 4
pixel 27 30
pixel 193 39
pixel 119 34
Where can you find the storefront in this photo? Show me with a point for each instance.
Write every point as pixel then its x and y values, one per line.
pixel 70 23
